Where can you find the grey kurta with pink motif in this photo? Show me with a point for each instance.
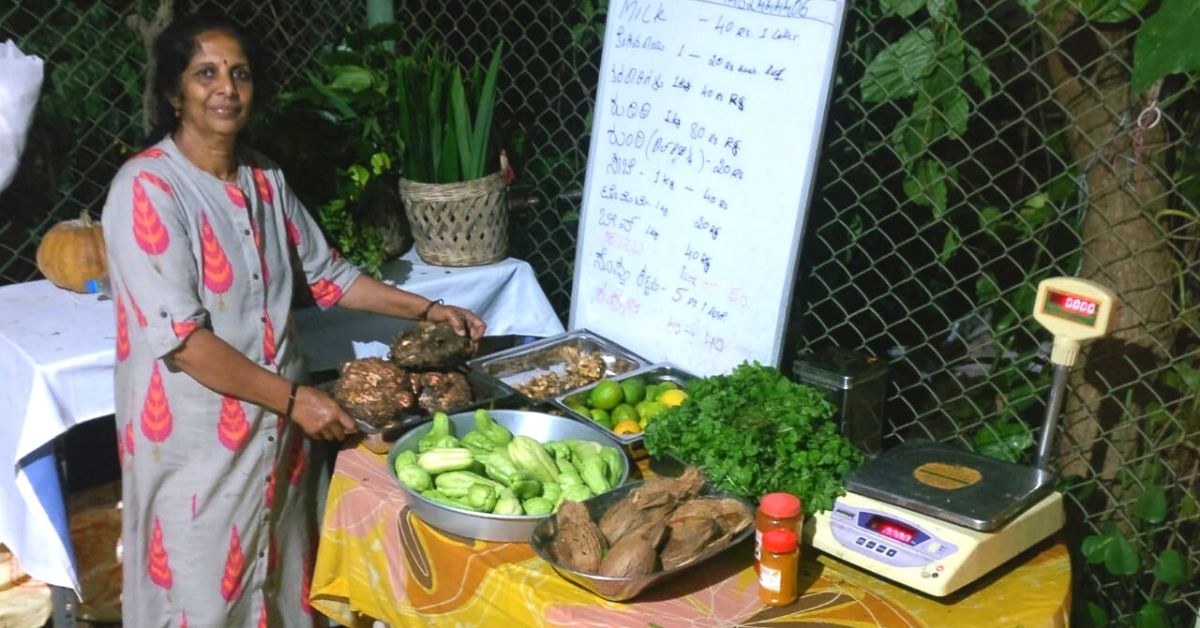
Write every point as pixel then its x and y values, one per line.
pixel 220 496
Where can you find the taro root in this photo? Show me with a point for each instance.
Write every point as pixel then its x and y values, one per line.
pixel 429 346
pixel 372 390
pixel 440 392
pixel 688 538
pixel 635 554
pixel 578 543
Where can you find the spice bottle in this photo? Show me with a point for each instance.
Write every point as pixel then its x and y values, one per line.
pixel 776 511
pixel 779 568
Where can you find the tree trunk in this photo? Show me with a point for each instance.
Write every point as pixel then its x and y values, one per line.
pixel 149 31
pixel 1123 247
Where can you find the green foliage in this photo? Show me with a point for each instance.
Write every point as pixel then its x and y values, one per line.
pixel 1166 43
pixel 754 431
pixel 414 114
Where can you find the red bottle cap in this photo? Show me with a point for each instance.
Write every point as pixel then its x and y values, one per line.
pixel 779 541
pixel 780 505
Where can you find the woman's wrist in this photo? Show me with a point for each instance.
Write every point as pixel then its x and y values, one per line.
pixel 429 308
pixel 291 402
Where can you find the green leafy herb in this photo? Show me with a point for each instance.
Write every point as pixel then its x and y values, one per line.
pixel 754 431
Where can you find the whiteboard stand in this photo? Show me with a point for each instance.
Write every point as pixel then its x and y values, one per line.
pixel 708 122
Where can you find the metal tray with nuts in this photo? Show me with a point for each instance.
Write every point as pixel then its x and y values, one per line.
pixel 546 368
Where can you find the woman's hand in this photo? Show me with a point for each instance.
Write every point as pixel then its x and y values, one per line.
pixel 320 416
pixel 464 321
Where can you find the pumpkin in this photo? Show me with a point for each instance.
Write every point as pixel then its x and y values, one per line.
pixel 72 253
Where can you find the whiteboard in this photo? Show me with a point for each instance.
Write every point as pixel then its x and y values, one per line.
pixel 704 143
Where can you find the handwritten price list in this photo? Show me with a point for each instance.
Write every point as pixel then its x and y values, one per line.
pixel 707 119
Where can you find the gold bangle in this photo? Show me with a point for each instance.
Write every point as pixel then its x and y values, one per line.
pixel 429 308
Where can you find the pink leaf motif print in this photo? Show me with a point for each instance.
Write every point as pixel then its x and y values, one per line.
pixel 149 153
pixel 218 273
pixel 235 565
pixel 325 293
pixel 154 180
pixel 122 330
pixel 235 195
pixel 156 410
pixel 265 190
pixel 183 329
pixel 129 438
pixel 293 232
pixel 148 229
pixel 159 566
pixel 232 428
pixel 137 311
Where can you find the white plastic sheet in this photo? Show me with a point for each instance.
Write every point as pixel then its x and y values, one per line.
pixel 20 84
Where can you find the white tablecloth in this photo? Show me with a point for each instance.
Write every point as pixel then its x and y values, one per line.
pixel 57 353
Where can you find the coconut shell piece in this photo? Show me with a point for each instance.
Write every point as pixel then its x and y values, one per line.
pixel 429 346
pixel 635 554
pixel 372 390
pixel 578 543
pixel 688 538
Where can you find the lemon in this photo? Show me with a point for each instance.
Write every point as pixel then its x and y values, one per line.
pixel 601 417
pixel 623 412
pixel 606 395
pixel 626 428
pixel 672 398
pixel 634 389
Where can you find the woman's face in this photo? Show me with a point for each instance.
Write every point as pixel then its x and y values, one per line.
pixel 216 89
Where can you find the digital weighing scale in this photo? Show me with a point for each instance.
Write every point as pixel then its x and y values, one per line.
pixel 935 517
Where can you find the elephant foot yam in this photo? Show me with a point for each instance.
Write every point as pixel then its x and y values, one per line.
pixel 429 346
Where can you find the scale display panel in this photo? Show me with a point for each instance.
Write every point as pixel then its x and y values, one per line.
pixel 1071 307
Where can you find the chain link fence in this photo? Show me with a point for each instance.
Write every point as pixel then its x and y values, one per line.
pixel 971 150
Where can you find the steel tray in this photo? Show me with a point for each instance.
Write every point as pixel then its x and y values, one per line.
pixel 616 588
pixel 487 526
pixel 652 374
pixel 516 366
pixel 486 392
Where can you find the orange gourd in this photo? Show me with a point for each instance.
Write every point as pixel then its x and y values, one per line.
pixel 72 253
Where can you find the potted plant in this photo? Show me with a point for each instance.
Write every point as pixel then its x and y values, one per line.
pixel 409 125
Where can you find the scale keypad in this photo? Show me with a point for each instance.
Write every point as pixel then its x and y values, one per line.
pixel 851 532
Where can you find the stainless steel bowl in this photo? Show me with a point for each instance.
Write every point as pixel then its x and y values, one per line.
pixel 620 589
pixel 488 527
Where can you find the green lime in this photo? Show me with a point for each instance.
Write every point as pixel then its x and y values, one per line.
pixel 652 392
pixel 649 409
pixel 624 412
pixel 606 395
pixel 666 385
pixel 601 418
pixel 581 409
pixel 634 389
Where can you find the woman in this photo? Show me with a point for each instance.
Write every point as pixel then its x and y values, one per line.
pixel 221 478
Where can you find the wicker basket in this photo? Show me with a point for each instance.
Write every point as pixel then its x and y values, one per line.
pixel 458 224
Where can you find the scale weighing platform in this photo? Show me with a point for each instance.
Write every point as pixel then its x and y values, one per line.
pixel 935 517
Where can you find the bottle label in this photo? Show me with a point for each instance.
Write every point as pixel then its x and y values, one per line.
pixel 769 578
pixel 757 545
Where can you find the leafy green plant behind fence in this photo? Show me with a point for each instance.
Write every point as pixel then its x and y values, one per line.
pixel 972 149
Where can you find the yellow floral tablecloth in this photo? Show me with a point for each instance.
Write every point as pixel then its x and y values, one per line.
pixel 378 561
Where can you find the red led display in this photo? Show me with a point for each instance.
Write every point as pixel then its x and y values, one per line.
pixel 1071 307
pixel 893 529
